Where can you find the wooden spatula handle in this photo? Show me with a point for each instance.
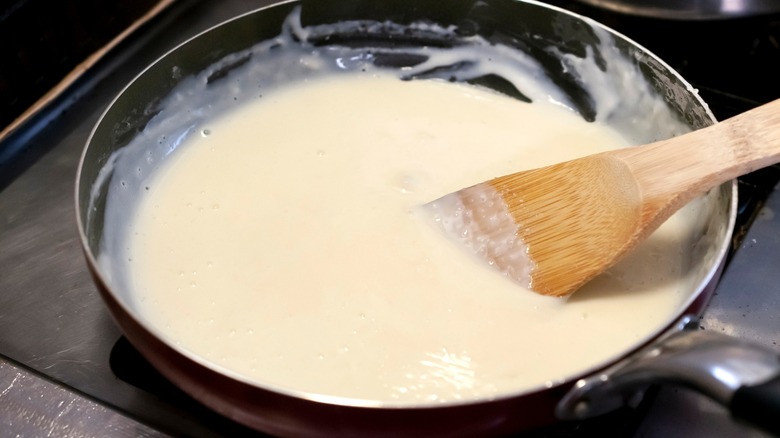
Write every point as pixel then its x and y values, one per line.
pixel 684 167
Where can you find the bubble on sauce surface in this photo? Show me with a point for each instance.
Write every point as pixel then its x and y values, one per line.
pixel 408 183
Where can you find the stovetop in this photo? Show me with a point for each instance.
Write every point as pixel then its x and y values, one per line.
pixel 65 368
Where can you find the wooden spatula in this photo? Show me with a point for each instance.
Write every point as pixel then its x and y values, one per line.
pixel 554 228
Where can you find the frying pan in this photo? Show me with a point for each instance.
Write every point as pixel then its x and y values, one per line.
pixel 740 375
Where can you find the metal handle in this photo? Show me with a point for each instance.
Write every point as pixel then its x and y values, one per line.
pixel 742 376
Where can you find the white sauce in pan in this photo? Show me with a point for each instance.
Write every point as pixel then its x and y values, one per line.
pixel 278 237
pixel 284 245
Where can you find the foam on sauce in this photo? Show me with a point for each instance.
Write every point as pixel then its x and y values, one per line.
pixel 279 238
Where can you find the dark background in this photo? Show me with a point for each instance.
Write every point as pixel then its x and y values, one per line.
pixel 41 41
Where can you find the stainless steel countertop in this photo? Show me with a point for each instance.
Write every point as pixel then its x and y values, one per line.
pixel 33 406
pixel 55 334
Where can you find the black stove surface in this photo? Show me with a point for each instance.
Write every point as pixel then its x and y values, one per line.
pixel 734 63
